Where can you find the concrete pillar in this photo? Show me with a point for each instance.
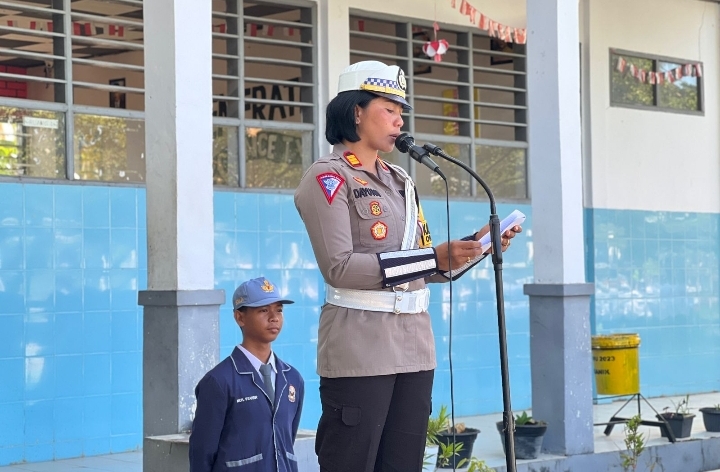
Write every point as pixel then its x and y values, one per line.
pixel 181 340
pixel 559 298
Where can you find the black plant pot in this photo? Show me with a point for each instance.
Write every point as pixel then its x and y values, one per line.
pixel 528 439
pixel 711 419
pixel 466 438
pixel 680 424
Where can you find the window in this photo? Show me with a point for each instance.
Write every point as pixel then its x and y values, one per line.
pixel 264 93
pixel 472 104
pixel 641 81
pixel 72 68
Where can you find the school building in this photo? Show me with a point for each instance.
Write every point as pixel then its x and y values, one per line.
pixel 149 152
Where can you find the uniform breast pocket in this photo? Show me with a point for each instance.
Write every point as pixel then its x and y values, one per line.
pixel 374 221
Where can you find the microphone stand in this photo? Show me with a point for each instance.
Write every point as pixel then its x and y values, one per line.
pixel 508 419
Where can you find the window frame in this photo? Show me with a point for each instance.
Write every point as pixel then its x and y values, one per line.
pixel 476 191
pixel 68 106
pixel 655 58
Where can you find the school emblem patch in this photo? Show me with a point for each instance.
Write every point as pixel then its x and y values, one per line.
pixel 267 287
pixel 379 230
pixel 330 183
pixel 352 159
pixel 375 208
pixel 291 394
pixel 360 181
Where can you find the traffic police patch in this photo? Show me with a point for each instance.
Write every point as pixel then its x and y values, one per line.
pixel 375 208
pixel 425 238
pixel 352 159
pixel 291 394
pixel 379 230
pixel 330 183
pixel 360 181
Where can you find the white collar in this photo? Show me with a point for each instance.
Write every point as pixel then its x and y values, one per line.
pixel 256 363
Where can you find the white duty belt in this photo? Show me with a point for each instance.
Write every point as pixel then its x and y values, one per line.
pixel 400 300
pixel 416 301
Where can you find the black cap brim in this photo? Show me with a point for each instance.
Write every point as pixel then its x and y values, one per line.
pixel 395 98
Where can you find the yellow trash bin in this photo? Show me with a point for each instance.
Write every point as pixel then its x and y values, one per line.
pixel 615 360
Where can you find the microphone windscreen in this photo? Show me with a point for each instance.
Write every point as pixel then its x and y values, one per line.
pixel 403 142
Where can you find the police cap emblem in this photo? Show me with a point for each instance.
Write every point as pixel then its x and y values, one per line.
pixel 401 79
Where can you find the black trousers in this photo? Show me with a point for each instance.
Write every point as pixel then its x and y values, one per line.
pixel 374 424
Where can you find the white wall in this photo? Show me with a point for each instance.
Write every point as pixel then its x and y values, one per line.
pixel 652 160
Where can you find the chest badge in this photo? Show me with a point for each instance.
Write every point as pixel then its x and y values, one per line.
pixel 379 230
pixel 352 159
pixel 291 394
pixel 330 183
pixel 375 209
pixel 360 181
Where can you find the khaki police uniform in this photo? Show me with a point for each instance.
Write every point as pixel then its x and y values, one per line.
pixel 365 217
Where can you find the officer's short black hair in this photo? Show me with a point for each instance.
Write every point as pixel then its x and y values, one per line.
pixel 340 115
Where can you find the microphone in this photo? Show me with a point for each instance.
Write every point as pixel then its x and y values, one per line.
pixel 406 144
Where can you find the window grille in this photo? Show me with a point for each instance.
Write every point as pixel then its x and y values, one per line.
pixel 472 103
pixel 72 89
pixel 264 92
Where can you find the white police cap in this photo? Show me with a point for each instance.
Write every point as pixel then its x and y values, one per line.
pixel 376 77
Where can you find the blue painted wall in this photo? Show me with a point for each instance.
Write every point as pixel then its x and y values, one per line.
pixel 71 261
pixel 656 274
pixel 73 257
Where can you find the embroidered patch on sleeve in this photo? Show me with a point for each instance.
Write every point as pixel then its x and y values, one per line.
pixel 379 230
pixel 352 159
pixel 360 181
pixel 375 208
pixel 330 183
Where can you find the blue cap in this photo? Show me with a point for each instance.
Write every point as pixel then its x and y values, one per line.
pixel 257 292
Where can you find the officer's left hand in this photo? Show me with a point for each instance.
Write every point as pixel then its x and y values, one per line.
pixel 506 237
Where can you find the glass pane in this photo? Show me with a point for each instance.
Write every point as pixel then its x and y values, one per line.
pixel 225 155
pixel 626 89
pixel 681 94
pixel 32 143
pixel 32 41
pixel 278 67
pixel 503 169
pixel 109 149
pixel 429 183
pixel 276 158
pixel 108 56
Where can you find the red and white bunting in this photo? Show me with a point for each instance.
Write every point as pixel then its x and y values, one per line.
pixel 493 28
pixel 658 78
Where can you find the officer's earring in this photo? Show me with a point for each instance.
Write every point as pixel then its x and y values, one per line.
pixel 357 121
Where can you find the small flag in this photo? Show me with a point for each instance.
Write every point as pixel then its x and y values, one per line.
pixel 484 23
pixel 651 78
pixel 361 25
pixel 520 35
pixel 698 70
pixel 621 64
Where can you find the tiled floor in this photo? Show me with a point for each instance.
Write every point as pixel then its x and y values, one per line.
pixel 487 446
pixel 126 462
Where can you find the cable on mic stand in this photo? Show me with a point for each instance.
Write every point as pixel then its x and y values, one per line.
pixel 406 144
pixel 495 236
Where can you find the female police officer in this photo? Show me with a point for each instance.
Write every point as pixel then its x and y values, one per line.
pixel 376 352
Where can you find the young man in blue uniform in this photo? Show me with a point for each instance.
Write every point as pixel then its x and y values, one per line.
pixel 249 405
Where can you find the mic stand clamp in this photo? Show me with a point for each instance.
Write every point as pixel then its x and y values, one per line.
pixel 496 244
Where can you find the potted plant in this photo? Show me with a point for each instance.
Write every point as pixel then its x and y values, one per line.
pixel 680 421
pixel 435 426
pixel 440 437
pixel 529 435
pixel 711 418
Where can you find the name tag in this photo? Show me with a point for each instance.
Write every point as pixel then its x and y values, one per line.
pixel 246 399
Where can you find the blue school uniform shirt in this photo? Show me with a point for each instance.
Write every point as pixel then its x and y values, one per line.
pixel 237 425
